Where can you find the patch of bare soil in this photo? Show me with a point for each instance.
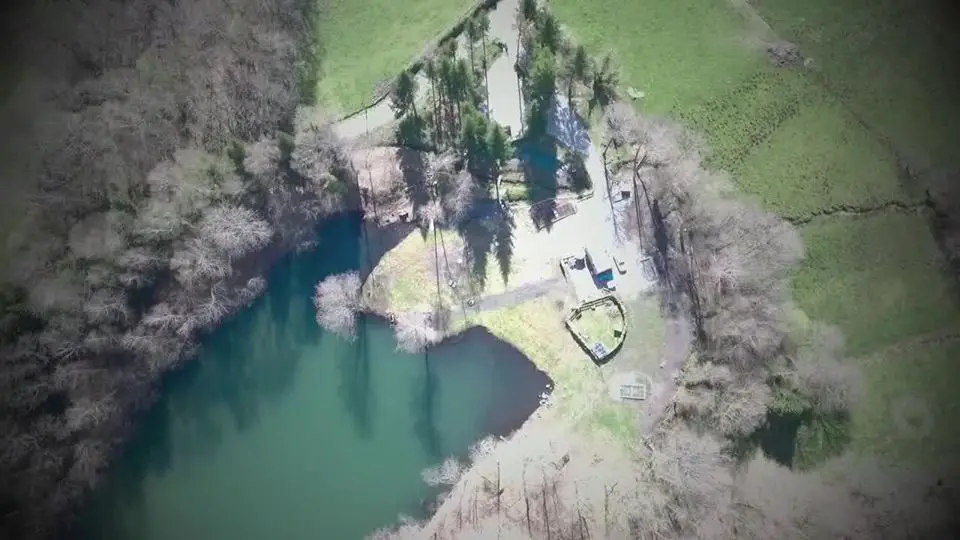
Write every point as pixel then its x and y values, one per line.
pixel 762 37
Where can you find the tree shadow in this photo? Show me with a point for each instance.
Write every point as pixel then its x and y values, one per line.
pixel 413 166
pixel 425 425
pixel 575 176
pixel 540 165
pixel 355 379
pixel 478 236
pixel 661 239
pixel 503 239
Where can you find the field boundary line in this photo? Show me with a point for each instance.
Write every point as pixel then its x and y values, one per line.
pixel 857 211
pixel 923 340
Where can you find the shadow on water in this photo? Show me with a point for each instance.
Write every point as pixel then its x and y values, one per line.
pixel 355 379
pixel 805 440
pixel 519 383
pixel 424 409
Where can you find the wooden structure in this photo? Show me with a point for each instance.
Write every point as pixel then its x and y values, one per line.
pixel 633 392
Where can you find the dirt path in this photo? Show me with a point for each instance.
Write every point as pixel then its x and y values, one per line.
pixel 514 297
pixel 678 343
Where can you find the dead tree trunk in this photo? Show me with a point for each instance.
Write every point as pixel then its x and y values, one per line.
pixel 526 499
pixel 499 492
pixel 543 497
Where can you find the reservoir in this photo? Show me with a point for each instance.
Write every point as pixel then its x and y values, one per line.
pixel 280 430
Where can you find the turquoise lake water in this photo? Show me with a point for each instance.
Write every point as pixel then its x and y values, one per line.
pixel 281 431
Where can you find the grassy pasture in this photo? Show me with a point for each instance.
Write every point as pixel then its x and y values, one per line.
pixel 366 41
pixel 741 118
pixel 821 159
pixel 679 53
pixel 910 412
pixel 893 61
pixel 879 278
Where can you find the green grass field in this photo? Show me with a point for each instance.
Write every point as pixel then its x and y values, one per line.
pixel 819 159
pixel 890 59
pixel 600 324
pixel 910 413
pixel 679 53
pixel 879 278
pixel 792 143
pixel 363 42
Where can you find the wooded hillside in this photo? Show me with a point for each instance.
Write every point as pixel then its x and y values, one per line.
pixel 152 167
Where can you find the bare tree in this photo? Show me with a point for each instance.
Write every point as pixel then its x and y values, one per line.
pixel 445 474
pixel 742 409
pixel 315 152
pixel 198 262
pixel 234 230
pixel 262 159
pixel 337 300
pixel 415 331
pixel 462 194
pixel 430 213
pixel 87 413
pixel 107 306
pixel 89 459
pixel 819 370
pixel 98 236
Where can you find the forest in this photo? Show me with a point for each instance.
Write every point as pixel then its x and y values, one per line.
pixel 154 165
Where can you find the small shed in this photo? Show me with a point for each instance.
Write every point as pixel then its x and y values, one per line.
pixel 601 268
